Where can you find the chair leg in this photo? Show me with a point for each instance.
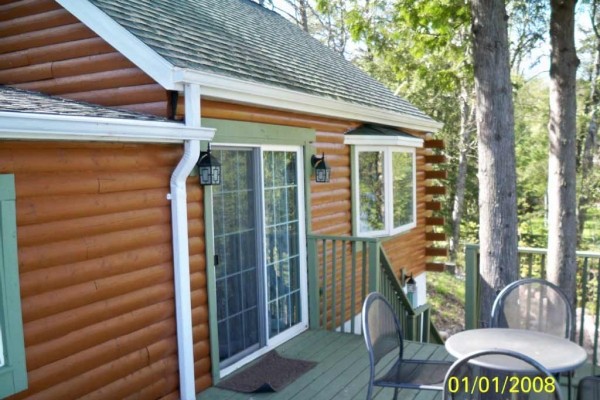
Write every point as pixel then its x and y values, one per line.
pixel 569 386
pixel 369 390
pixel 396 394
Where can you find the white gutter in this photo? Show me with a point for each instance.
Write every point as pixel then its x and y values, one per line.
pixel 16 125
pixel 181 256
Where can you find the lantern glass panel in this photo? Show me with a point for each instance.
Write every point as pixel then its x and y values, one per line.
pixel 205 176
pixel 216 175
pixel 321 175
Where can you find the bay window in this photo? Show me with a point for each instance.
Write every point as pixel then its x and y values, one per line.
pixel 383 181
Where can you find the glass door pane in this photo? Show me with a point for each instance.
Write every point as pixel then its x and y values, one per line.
pixel 282 241
pixel 236 236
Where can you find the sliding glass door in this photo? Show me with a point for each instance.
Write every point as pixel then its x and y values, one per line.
pixel 259 242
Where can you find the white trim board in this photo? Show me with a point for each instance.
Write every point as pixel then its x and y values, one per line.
pixel 383 140
pixel 14 125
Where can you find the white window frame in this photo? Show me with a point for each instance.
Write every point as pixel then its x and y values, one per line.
pixel 388 151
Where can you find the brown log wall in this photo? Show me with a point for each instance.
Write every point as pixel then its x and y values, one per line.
pixel 44 48
pixel 96 269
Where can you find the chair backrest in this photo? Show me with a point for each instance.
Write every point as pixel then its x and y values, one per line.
pixel 533 304
pixel 381 328
pixel 589 388
pixel 505 374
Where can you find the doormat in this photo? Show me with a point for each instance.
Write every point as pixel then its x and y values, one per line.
pixel 271 373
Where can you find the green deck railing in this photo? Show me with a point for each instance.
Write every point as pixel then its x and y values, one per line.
pixel 342 271
pixel 532 264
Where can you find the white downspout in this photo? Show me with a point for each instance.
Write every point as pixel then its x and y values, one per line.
pixel 181 256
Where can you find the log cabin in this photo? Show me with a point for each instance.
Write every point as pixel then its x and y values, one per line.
pixel 122 275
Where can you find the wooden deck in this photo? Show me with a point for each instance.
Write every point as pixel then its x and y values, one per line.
pixel 342 371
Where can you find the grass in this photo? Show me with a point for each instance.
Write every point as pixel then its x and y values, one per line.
pixel 446 294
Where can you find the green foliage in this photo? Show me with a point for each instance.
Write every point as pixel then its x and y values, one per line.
pixel 421 49
pixel 531 139
pixel 446 295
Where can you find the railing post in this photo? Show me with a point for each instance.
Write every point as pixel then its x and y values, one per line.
pixel 426 336
pixel 313 284
pixel 410 333
pixel 471 286
pixel 374 268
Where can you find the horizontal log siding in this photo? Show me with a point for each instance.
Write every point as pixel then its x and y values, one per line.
pixel 96 269
pixel 44 48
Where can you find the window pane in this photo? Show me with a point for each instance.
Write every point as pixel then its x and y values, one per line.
pixel 402 169
pixel 371 191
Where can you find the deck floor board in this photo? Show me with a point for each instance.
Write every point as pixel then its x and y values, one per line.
pixel 342 370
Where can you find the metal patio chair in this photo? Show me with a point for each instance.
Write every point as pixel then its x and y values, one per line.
pixel 383 337
pixel 499 374
pixel 534 304
pixel 589 388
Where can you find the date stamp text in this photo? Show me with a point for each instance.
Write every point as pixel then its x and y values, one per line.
pixel 502 385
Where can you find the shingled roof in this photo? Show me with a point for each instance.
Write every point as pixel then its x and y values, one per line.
pixel 241 39
pixel 23 101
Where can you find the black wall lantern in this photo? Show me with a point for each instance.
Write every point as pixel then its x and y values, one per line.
pixel 322 170
pixel 209 168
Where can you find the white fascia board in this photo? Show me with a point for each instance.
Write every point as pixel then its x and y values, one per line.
pixel 232 89
pixel 75 128
pixel 124 41
pixel 382 140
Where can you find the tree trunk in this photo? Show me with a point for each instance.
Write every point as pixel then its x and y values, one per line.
pixel 302 10
pixel 562 218
pixel 496 148
pixel 467 115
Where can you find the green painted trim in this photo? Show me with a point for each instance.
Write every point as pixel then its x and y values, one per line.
pixel 471 286
pixel 311 244
pixel 211 284
pixel 374 266
pixel 354 193
pixel 256 133
pixel 309 151
pixel 13 375
pixel 313 285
